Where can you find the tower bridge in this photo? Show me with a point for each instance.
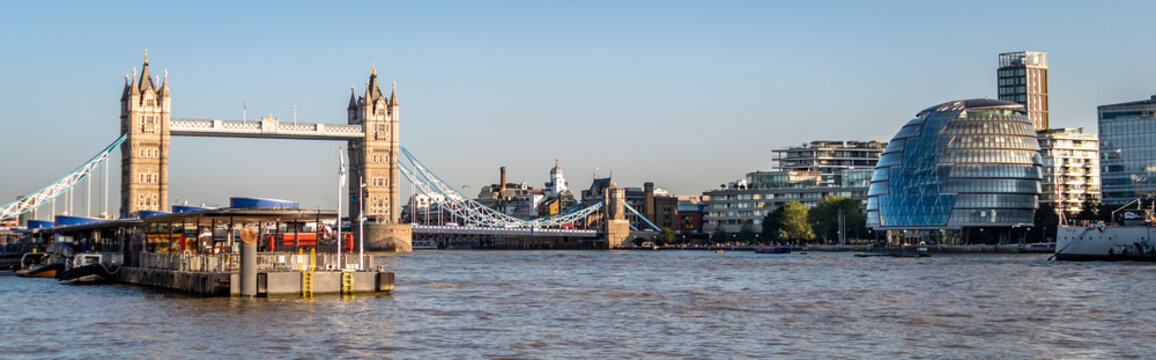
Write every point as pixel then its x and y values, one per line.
pixel 377 163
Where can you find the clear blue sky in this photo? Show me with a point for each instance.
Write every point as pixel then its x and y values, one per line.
pixel 685 94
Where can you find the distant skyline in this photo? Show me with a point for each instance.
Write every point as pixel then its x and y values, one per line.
pixel 687 95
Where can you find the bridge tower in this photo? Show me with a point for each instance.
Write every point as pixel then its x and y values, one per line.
pixel 374 159
pixel 145 110
pixel 617 227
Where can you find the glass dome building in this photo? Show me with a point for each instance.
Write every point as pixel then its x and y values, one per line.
pixel 965 171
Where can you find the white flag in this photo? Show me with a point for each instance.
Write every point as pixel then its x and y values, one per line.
pixel 341 168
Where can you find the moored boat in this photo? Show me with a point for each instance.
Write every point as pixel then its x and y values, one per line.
pixel 1128 239
pixel 87 269
pixel 1100 242
pixel 41 270
pixel 772 249
pixel 424 245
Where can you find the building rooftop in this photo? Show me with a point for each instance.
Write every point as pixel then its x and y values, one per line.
pixel 973 104
pixel 1140 102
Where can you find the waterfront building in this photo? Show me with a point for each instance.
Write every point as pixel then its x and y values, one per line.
pixel 829 157
pixel 749 200
pixel 655 204
pixel 517 200
pixel 1128 150
pixel 965 171
pixel 557 196
pixel 1071 168
pixel 1022 78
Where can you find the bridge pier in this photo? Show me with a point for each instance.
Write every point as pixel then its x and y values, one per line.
pixel 617 227
pixel 388 237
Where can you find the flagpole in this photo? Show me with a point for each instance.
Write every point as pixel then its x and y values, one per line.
pixel 340 179
pixel 361 224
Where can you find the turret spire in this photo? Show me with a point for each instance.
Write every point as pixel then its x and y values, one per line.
pixel 352 98
pixel 393 95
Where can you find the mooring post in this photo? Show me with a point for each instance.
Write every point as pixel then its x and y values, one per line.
pixel 248 262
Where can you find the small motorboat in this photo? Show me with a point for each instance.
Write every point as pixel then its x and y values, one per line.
pixel 772 249
pixel 87 269
pixel 41 270
pixel 39 265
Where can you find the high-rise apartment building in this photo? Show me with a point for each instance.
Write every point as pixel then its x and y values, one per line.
pixel 1071 168
pixel 830 157
pixel 1023 78
pixel 1128 150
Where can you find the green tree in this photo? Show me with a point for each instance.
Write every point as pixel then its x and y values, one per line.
pixel 1044 223
pixel 719 234
pixel 795 225
pixel 824 218
pixel 685 236
pixel 1089 211
pixel 666 236
pixel 773 225
pixel 746 232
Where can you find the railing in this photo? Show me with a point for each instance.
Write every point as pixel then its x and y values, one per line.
pixel 441 229
pixel 264 128
pixel 230 263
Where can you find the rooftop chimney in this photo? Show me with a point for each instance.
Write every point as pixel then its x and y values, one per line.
pixel 502 181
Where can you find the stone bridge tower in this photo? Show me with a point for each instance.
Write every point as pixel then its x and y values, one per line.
pixel 374 159
pixel 144 116
pixel 617 227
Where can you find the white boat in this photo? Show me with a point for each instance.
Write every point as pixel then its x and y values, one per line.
pixel 1100 242
pixel 424 245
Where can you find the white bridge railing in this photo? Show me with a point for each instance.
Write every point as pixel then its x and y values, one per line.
pixel 265 128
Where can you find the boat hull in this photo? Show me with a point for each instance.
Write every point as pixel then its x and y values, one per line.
pixel 1100 243
pixel 87 274
pixel 42 271
pixel 773 250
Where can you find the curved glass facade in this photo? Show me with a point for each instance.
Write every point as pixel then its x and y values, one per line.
pixel 966 163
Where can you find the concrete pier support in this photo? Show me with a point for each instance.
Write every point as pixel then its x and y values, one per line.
pixel 248 269
pixel 389 237
pixel 617 231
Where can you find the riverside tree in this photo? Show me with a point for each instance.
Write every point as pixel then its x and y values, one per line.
pixel 666 236
pixel 795 225
pixel 746 233
pixel 824 218
pixel 773 225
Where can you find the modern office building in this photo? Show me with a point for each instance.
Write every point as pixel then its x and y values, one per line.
pixel 1071 168
pixel 1023 79
pixel 1128 150
pixel 829 157
pixel 761 192
pixel 964 171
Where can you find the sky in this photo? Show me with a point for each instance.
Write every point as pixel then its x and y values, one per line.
pixel 688 95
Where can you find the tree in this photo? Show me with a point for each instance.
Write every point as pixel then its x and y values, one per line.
pixel 746 232
pixel 1089 211
pixel 666 236
pixel 773 225
pixel 795 225
pixel 824 218
pixel 1045 223
pixel 719 234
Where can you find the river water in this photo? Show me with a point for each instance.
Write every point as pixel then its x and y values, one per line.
pixel 637 304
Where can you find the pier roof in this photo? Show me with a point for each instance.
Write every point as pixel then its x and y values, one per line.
pixel 96 225
pixel 243 215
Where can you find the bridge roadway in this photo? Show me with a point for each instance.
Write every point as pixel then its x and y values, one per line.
pixel 477 230
pixel 267 128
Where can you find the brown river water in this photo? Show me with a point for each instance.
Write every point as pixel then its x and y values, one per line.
pixel 634 304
